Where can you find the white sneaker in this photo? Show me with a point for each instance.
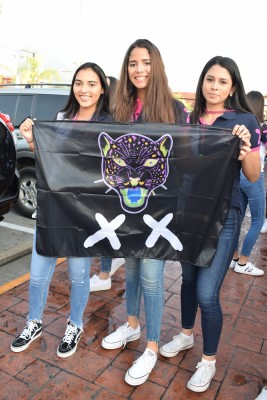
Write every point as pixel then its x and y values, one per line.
pixel 121 336
pixel 248 269
pixel 201 379
pixel 264 226
pixel 263 394
pixel 141 368
pixel 180 342
pixel 116 264
pixel 97 284
pixel 232 264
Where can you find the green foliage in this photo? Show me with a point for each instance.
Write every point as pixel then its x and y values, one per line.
pixel 30 72
pixel 49 75
pixel 186 98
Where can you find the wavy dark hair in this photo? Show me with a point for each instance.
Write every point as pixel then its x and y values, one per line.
pixel 159 101
pixel 237 102
pixel 256 101
pixel 72 106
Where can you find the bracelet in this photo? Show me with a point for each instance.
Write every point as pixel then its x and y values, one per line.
pixel 30 141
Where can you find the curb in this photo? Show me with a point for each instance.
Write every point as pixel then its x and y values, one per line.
pixel 21 279
pixel 15 252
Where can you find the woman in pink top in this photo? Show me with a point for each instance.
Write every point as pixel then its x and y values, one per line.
pixel 143 95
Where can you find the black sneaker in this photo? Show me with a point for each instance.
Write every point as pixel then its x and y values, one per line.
pixel 31 332
pixel 70 341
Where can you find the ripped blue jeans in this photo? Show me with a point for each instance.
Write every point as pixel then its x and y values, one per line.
pixel 146 276
pixel 42 269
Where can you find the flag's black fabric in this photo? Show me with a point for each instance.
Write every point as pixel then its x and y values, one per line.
pixel 132 190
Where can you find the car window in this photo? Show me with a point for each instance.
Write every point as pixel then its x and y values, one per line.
pixel 24 108
pixel 47 106
pixel 41 106
pixel 8 105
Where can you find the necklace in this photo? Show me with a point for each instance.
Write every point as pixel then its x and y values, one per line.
pixel 83 119
pixel 216 112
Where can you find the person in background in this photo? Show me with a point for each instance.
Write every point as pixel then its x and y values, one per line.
pixel 108 267
pixel 112 82
pixel 88 101
pixel 252 194
pixel 264 133
pixel 143 95
pixel 264 226
pixel 102 281
pixel 220 102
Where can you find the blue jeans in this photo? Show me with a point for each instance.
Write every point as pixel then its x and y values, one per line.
pixel 146 275
pixel 254 195
pixel 42 269
pixel 106 264
pixel 201 286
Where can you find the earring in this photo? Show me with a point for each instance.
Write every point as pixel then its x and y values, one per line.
pixel 231 94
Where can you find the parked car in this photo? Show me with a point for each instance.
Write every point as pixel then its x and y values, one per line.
pixel 9 183
pixel 43 104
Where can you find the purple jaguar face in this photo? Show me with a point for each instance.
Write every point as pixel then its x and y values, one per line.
pixel 134 166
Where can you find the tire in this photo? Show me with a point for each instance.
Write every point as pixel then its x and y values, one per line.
pixel 27 200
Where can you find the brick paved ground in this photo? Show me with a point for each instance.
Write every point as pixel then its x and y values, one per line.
pixel 95 373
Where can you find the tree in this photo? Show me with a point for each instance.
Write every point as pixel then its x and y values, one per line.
pixel 49 75
pixel 30 72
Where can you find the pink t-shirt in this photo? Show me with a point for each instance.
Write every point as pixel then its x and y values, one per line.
pixel 138 109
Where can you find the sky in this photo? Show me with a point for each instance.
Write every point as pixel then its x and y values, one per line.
pixel 66 33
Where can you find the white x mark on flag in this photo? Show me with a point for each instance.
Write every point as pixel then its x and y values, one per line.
pixel 107 231
pixel 159 229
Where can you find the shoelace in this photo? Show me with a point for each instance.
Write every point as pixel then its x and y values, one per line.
pixel 26 333
pixel 70 333
pixel 173 343
pixel 123 332
pixel 177 340
pixel 144 358
pixel 202 372
pixel 201 363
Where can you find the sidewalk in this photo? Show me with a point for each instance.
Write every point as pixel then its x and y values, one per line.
pixel 96 373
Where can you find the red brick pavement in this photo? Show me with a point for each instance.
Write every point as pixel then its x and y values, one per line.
pixel 96 373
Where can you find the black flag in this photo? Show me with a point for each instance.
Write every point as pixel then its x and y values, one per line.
pixel 132 190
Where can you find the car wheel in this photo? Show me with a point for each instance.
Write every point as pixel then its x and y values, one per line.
pixel 27 200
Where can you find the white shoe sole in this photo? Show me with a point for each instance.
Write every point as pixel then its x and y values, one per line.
pixel 22 348
pixel 106 286
pixel 117 345
pixel 199 389
pixel 173 354
pixel 65 355
pixel 135 381
pixel 249 273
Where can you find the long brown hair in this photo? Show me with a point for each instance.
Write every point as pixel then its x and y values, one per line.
pixel 159 102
